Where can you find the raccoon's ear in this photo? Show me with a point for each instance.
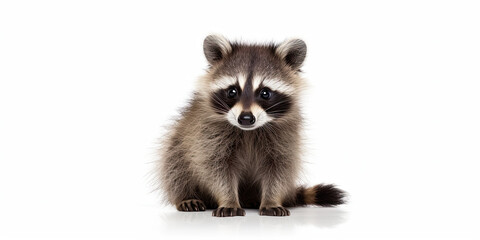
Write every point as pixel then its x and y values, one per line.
pixel 293 52
pixel 216 48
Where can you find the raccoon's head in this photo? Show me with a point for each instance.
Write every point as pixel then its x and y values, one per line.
pixel 252 85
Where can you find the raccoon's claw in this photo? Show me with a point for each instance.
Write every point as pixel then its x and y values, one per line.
pixel 274 211
pixel 228 212
pixel 191 205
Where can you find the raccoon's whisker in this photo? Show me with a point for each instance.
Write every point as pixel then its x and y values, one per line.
pixel 219 109
pixel 276 104
pixel 220 101
pixel 277 112
pixel 270 127
pixel 217 100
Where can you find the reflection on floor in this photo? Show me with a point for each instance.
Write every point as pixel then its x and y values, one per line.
pixel 202 222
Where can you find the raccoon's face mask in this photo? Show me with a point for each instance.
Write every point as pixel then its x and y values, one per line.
pixel 252 85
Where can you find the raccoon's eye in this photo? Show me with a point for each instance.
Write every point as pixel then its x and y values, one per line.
pixel 232 92
pixel 265 93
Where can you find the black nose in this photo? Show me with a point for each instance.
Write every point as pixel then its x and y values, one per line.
pixel 246 118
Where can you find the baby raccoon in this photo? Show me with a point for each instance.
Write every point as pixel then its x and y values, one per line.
pixel 237 144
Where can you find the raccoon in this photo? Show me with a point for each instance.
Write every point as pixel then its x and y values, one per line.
pixel 237 144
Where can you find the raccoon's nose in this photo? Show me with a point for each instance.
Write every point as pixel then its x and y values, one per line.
pixel 246 118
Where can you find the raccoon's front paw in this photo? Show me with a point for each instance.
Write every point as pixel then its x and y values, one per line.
pixel 274 211
pixel 228 212
pixel 191 205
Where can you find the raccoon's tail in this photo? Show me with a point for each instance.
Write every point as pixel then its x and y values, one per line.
pixel 325 195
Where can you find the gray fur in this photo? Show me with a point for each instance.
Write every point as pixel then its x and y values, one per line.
pixel 206 160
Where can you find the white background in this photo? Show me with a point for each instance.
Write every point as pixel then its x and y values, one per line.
pixel 393 115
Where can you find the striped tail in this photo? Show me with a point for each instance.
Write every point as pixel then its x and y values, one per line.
pixel 325 195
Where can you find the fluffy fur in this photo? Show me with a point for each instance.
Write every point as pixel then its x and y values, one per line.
pixel 237 144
